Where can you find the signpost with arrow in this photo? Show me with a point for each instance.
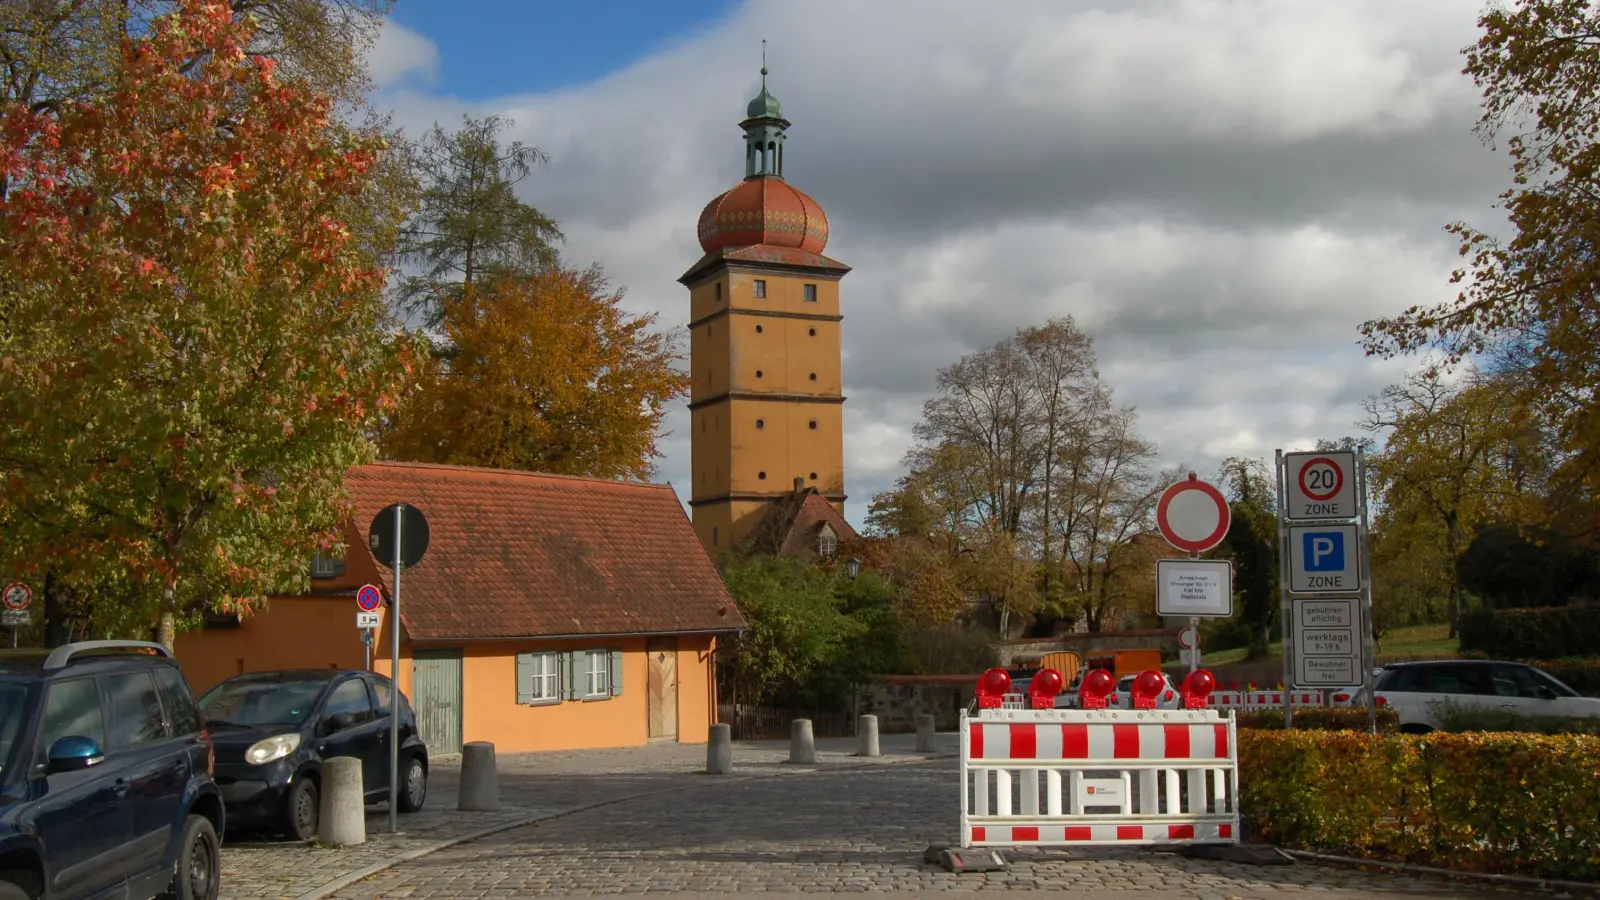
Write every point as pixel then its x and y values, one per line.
pixel 398 538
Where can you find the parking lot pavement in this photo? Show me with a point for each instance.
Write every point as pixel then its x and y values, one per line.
pixel 831 831
pixel 531 785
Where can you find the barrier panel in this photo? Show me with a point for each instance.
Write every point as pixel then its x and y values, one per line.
pixel 1109 776
pixel 1253 700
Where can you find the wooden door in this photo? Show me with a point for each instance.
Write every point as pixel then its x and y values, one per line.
pixel 436 698
pixel 663 688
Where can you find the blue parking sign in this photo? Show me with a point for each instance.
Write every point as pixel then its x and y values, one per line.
pixel 1323 551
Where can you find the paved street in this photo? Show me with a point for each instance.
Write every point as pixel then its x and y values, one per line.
pixel 833 830
pixel 531 785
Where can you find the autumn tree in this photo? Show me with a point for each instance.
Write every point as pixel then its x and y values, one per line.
pixel 193 347
pixel 469 223
pixel 1459 454
pixel 1538 67
pixel 548 373
pixel 1252 545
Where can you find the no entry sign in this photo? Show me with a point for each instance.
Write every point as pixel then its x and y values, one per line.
pixel 1193 516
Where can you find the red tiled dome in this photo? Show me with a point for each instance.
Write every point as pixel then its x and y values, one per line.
pixel 763 210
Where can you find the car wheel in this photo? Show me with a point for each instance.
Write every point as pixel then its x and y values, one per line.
pixel 301 811
pixel 12 886
pixel 414 788
pixel 197 874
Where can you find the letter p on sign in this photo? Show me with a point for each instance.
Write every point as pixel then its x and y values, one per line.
pixel 1324 551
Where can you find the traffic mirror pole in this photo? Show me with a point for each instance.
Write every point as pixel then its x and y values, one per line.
pixel 394 684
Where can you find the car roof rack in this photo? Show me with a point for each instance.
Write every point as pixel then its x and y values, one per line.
pixel 60 656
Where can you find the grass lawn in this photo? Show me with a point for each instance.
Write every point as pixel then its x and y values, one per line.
pixel 1416 641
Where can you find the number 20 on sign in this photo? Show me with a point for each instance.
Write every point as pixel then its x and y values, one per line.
pixel 1321 485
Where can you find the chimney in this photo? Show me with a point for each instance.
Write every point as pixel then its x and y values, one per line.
pixel 799 484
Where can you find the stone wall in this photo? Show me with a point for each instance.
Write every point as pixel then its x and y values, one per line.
pixel 897 700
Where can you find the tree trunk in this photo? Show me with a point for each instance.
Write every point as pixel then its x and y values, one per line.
pixel 167 627
pixel 58 624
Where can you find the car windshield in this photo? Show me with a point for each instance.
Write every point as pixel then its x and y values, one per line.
pixel 251 703
pixel 12 697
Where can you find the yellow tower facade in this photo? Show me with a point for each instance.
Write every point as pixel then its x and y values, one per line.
pixel 766 400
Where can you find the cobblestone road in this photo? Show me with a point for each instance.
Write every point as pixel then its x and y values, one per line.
pixel 531 785
pixel 829 831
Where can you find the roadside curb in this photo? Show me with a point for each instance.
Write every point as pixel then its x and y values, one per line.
pixel 1453 874
pixel 327 889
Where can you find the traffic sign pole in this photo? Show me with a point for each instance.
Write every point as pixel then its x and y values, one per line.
pixel 1285 609
pixel 394 680
pixel 1369 653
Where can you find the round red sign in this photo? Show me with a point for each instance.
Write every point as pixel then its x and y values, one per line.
pixel 1193 516
pixel 17 596
pixel 1321 478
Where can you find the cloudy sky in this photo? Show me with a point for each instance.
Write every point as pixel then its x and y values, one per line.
pixel 1219 191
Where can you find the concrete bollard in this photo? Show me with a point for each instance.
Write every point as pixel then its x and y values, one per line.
pixel 802 744
pixel 719 750
pixel 924 734
pixel 480 782
pixel 867 736
pixel 342 818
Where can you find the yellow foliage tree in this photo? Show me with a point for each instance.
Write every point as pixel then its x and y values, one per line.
pixel 548 373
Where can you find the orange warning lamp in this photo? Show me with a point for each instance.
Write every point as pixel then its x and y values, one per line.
pixel 1146 688
pixel 1197 687
pixel 1044 687
pixel 1096 687
pixel 993 686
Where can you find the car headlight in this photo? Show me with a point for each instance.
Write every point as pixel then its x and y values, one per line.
pixel 272 748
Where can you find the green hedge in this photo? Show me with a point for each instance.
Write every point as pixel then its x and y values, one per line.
pixel 1464 721
pixel 1544 633
pixel 1512 804
pixel 1322 718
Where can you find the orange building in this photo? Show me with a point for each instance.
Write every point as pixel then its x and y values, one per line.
pixel 766 398
pixel 549 612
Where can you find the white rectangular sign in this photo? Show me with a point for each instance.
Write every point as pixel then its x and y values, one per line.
pixel 1324 559
pixel 1327 642
pixel 1194 587
pixel 14 618
pixel 1320 485
pixel 368 619
pixel 1101 792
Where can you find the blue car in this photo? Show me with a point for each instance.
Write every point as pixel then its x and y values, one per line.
pixel 105 777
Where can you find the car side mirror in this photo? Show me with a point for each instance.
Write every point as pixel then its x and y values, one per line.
pixel 338 722
pixel 74 753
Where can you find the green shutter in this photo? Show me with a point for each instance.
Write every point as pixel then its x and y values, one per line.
pixel 616 673
pixel 525 678
pixel 569 678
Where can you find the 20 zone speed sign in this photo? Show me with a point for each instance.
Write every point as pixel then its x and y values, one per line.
pixel 1321 485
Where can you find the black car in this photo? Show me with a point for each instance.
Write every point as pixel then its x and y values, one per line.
pixel 272 730
pixel 105 777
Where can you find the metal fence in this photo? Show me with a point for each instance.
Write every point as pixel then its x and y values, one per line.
pixel 761 723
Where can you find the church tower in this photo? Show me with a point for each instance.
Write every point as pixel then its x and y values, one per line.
pixel 766 399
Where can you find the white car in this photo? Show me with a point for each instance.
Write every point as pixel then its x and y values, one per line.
pixel 1422 692
pixel 1122 697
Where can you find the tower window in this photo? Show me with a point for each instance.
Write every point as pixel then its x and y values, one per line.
pixel 713 535
pixel 758 373
pixel 813 424
pixel 810 293
pixel 760 289
pixel 758 329
pixel 813 376
pixel 702 424
pixel 761 475
pixel 719 292
pixel 761 423
pixel 813 332
pixel 813 476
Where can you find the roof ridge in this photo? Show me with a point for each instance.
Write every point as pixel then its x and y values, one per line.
pixel 518 473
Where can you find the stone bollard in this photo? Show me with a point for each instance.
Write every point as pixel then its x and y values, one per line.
pixel 342 819
pixel 719 750
pixel 480 782
pixel 802 745
pixel 924 734
pixel 867 736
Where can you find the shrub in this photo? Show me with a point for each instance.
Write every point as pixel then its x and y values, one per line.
pixel 1461 720
pixel 1583 675
pixel 1504 803
pixel 1544 633
pixel 947 650
pixel 1322 718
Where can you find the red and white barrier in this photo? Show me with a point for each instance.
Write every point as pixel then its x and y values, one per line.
pixel 1111 777
pixel 1253 700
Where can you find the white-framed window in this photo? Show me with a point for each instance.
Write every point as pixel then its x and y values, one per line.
pixel 760 288
pixel 810 293
pixel 597 673
pixel 827 542
pixel 326 566
pixel 539 677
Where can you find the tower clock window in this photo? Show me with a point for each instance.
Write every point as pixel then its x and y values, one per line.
pixel 760 289
pixel 810 291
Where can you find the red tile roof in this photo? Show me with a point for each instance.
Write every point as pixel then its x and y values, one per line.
pixel 793 523
pixel 520 554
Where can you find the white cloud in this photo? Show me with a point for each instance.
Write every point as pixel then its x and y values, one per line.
pixel 399 52
pixel 1220 191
